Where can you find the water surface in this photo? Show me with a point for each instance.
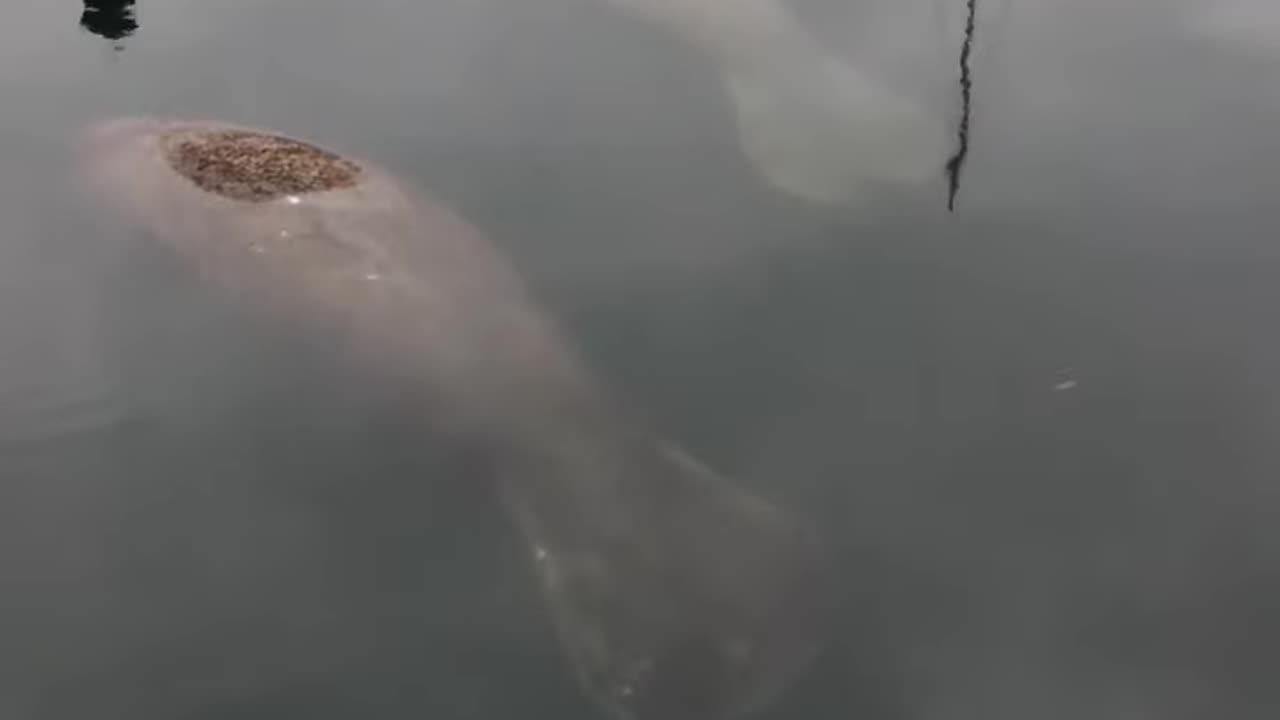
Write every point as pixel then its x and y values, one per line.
pixel 1037 431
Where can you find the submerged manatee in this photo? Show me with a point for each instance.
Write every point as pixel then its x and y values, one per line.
pixel 675 594
pixel 812 125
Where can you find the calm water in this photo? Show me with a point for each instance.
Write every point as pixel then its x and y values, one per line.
pixel 1039 431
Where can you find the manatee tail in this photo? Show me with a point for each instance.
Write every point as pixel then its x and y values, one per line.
pixel 675 593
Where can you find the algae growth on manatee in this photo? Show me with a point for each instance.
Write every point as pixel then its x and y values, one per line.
pixel 675 593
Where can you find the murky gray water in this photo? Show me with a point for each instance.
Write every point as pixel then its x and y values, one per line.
pixel 1038 431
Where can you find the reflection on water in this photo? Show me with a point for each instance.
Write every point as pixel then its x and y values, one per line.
pixel 111 19
pixel 956 164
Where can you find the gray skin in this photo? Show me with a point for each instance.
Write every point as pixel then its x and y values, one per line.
pixel 675 593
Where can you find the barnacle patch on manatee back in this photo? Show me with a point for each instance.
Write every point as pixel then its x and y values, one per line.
pixel 253 166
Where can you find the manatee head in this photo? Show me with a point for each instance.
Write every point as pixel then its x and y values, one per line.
pixel 251 206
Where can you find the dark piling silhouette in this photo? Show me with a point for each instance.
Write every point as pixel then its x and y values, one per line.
pixel 114 20
pixel 956 163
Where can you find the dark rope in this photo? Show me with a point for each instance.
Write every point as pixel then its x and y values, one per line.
pixel 956 163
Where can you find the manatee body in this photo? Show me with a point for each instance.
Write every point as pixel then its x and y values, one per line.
pixel 810 124
pixel 675 594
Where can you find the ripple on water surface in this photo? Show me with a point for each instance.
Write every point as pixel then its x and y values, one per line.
pixel 58 385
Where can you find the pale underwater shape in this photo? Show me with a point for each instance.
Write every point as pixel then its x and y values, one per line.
pixel 1252 25
pixel 811 125
pixel 831 136
pixel 675 594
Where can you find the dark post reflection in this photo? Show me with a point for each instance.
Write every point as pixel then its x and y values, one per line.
pixel 111 19
pixel 956 163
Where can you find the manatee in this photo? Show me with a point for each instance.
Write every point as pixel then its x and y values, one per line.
pixel 812 125
pixel 674 592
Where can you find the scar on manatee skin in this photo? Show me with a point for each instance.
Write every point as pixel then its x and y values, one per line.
pixel 255 167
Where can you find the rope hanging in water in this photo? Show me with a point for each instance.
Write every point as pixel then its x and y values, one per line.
pixel 956 163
